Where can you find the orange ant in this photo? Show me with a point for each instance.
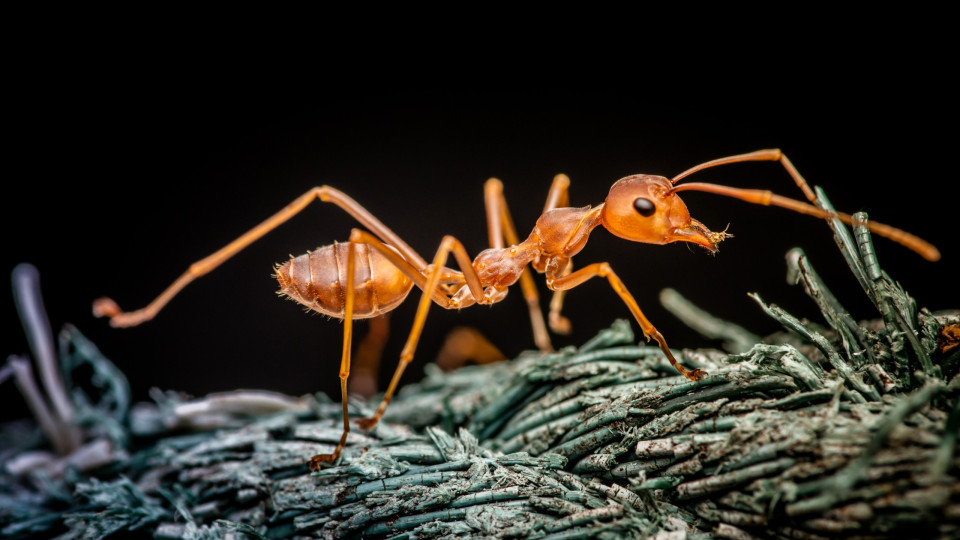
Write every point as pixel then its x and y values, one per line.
pixel 375 271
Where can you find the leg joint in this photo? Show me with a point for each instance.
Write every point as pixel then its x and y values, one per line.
pixel 494 185
pixel 449 241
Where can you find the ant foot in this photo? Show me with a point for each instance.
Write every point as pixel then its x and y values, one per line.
pixel 696 375
pixel 317 461
pixel 560 324
pixel 105 307
pixel 367 424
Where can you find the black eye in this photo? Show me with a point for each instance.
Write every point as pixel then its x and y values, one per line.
pixel 644 207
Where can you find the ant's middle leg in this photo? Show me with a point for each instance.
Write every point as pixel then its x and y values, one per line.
pixel 448 246
pixel 432 293
pixel 559 197
pixel 500 227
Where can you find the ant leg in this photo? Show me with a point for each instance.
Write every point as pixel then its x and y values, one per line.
pixel 118 318
pixel 317 460
pixel 366 363
pixel 649 331
pixel 365 218
pixel 419 277
pixel 464 344
pixel 429 285
pixel 499 228
pixel 448 246
pixel 559 197
pixel 559 323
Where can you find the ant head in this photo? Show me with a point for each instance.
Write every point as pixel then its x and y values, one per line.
pixel 643 208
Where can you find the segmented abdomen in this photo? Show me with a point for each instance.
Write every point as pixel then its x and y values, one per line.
pixel 318 280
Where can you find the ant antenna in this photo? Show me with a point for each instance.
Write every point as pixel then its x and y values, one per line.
pixel 768 198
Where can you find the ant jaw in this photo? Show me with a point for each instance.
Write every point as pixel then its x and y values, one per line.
pixel 699 234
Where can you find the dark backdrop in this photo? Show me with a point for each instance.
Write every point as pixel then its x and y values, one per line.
pixel 119 181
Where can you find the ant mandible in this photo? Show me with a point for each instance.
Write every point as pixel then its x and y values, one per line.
pixel 375 271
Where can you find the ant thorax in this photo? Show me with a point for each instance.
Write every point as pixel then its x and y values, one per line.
pixel 563 232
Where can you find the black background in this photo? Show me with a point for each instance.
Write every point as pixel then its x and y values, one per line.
pixel 121 175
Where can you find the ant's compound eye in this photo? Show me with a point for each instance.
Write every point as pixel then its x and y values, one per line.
pixel 644 207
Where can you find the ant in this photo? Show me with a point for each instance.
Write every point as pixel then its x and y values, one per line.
pixel 375 270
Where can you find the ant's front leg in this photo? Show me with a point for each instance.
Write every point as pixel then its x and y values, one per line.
pixel 559 323
pixel 563 283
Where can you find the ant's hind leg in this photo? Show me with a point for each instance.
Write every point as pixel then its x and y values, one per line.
pixel 448 246
pixel 106 307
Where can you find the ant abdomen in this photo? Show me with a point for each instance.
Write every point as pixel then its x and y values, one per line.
pixel 318 280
